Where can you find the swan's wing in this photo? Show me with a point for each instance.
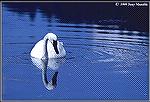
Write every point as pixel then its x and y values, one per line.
pixel 38 50
pixel 61 49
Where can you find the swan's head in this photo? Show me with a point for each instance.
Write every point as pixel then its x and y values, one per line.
pixel 53 39
pixel 50 37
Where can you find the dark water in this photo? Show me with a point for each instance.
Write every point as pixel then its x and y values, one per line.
pixel 107 52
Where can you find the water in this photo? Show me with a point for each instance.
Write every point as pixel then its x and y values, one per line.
pixel 105 59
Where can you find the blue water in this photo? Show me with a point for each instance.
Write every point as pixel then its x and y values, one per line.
pixel 105 60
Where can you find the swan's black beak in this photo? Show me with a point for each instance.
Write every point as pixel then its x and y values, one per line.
pixel 55 46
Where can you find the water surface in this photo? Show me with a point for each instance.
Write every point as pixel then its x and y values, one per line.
pixel 106 58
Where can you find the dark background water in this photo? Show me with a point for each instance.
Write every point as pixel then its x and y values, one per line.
pixel 102 13
pixel 107 50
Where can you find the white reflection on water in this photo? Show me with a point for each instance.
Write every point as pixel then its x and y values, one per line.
pixel 51 63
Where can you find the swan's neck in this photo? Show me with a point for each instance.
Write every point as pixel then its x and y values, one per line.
pixel 45 48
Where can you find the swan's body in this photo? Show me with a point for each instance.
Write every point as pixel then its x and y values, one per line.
pixel 48 47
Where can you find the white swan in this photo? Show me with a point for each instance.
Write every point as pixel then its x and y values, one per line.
pixel 48 47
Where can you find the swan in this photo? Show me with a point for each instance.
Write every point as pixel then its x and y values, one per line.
pixel 48 47
pixel 51 63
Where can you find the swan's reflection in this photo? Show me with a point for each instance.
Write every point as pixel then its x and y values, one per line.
pixel 44 64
